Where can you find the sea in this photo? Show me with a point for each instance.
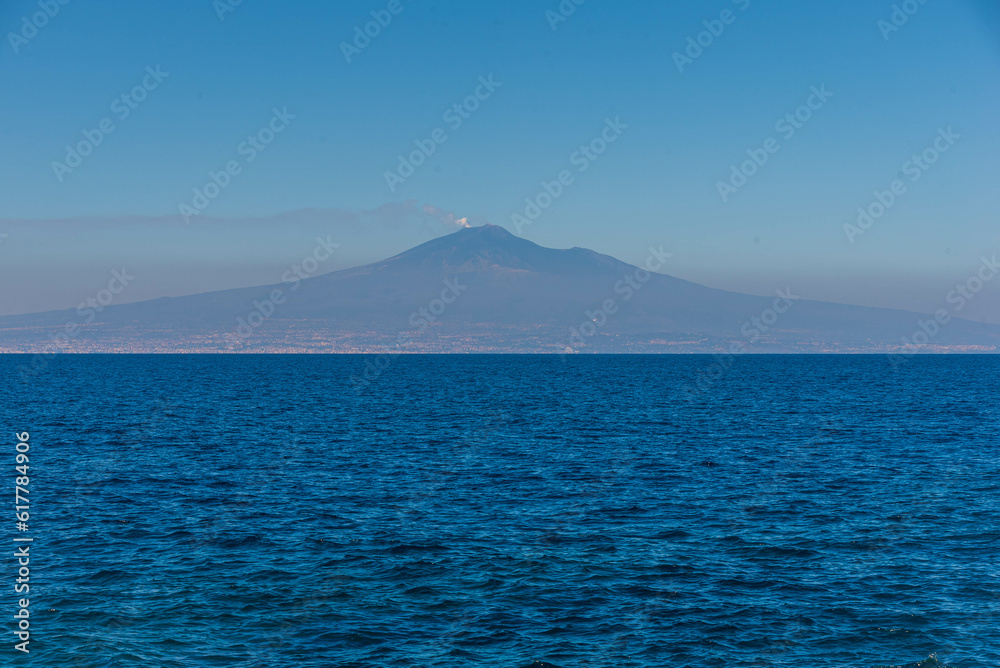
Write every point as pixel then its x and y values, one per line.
pixel 504 511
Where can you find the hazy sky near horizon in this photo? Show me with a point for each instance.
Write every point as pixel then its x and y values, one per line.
pixel 343 125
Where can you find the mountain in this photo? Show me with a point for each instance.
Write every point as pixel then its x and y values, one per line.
pixel 483 289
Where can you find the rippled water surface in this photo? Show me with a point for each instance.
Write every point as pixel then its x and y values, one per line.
pixel 496 511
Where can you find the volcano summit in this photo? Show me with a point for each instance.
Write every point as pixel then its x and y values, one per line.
pixel 482 289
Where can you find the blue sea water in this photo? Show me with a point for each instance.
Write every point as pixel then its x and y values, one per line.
pixel 497 511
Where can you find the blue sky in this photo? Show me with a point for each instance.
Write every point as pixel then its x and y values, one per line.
pixel 656 184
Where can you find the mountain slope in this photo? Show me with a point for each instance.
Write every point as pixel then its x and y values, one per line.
pixel 486 289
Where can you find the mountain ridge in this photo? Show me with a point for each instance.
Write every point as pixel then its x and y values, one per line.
pixel 507 294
